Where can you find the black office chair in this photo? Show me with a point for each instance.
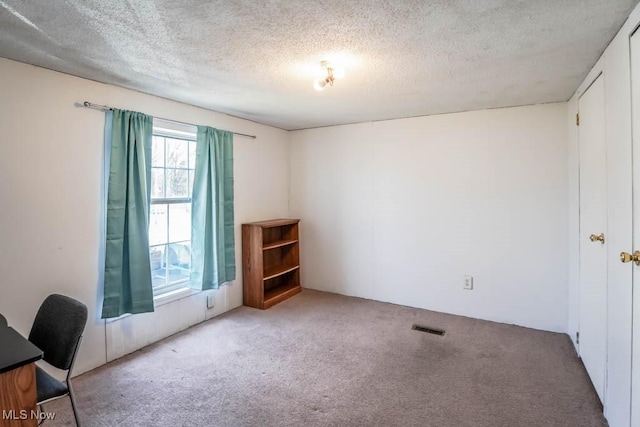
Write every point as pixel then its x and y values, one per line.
pixel 57 331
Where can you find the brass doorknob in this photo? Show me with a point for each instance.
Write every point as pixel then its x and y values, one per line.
pixel 626 257
pixel 597 238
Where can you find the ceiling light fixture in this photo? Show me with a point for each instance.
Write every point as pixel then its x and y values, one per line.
pixel 332 74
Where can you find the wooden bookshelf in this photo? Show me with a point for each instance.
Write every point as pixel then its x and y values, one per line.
pixel 270 262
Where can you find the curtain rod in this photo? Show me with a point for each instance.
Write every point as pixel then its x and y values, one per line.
pixel 88 104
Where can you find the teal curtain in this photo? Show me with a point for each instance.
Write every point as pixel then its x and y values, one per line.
pixel 213 256
pixel 127 272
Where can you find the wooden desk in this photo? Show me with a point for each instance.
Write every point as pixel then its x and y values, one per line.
pixel 18 394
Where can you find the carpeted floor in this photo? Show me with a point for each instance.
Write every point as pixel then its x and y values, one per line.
pixel 321 359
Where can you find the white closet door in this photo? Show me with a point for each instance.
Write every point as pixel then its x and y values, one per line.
pixel 593 219
pixel 635 102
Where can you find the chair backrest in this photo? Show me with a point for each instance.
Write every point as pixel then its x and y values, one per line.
pixel 57 329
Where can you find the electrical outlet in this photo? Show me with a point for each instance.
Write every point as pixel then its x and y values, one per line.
pixel 468 283
pixel 211 301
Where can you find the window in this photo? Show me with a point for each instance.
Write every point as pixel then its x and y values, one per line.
pixel 173 164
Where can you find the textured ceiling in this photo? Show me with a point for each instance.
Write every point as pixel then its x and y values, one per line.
pixel 257 59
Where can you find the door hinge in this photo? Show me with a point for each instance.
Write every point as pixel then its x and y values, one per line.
pixel 577 119
pixel 577 337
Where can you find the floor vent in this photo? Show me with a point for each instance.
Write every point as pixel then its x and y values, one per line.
pixel 428 330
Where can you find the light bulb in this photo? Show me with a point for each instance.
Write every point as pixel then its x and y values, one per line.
pixel 319 84
pixel 338 73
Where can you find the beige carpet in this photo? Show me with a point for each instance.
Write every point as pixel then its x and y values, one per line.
pixel 321 359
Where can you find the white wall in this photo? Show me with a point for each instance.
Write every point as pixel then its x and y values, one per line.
pixel 51 167
pixel 400 210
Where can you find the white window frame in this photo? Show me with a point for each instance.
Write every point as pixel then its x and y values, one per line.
pixel 179 131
